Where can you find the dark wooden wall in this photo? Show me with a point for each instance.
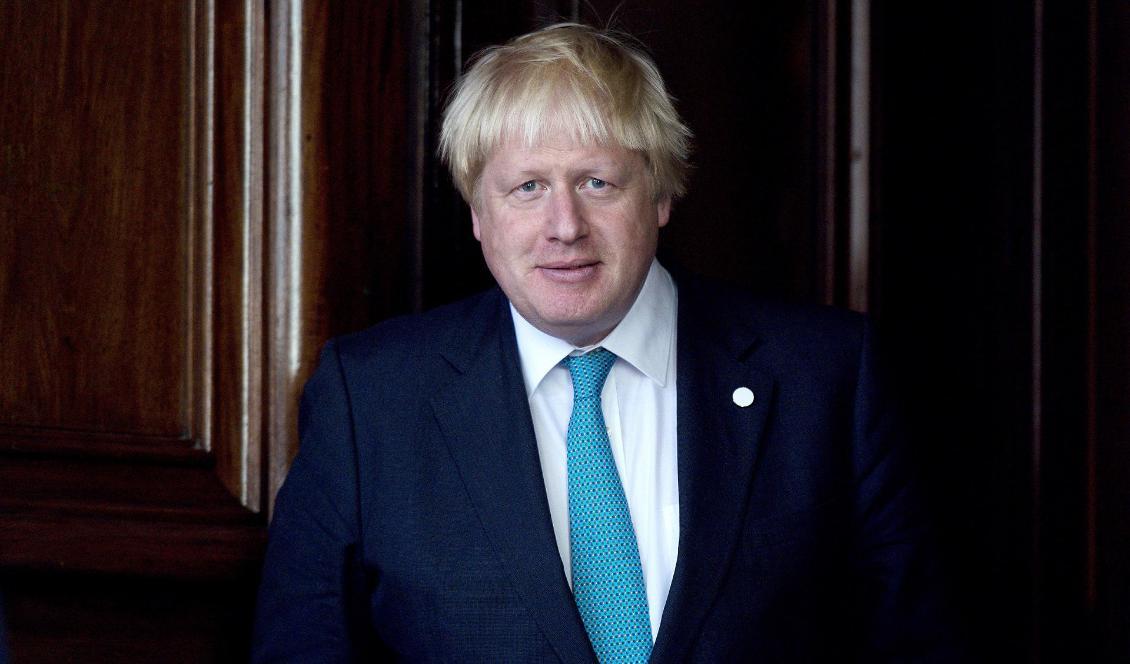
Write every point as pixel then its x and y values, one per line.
pixel 195 195
pixel 1001 245
pixel 131 492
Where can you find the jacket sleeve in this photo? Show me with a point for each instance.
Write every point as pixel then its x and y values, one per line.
pixel 308 582
pixel 907 616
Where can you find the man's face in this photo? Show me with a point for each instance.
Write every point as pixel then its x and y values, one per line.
pixel 568 231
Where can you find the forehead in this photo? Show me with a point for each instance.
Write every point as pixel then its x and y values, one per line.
pixel 558 151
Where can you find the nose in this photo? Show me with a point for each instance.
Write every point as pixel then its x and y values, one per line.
pixel 566 217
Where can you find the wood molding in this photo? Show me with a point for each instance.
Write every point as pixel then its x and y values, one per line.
pixel 238 245
pixel 45 441
pixel 285 245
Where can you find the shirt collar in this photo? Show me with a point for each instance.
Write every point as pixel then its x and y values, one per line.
pixel 644 338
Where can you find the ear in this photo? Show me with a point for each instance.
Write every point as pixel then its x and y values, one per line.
pixel 475 225
pixel 663 208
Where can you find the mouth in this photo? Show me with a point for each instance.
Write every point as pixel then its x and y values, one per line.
pixel 569 271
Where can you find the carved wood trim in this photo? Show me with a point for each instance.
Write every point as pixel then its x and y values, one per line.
pixel 238 221
pixel 200 129
pixel 226 229
pixel 39 440
pixel 286 245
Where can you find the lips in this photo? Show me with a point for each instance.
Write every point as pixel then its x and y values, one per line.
pixel 572 271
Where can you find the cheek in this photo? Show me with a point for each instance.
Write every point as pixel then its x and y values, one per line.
pixel 641 221
pixel 501 247
pixel 491 250
pixel 641 233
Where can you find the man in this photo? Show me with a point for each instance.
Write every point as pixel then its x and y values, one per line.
pixel 594 460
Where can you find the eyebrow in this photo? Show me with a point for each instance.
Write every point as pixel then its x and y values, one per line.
pixel 602 168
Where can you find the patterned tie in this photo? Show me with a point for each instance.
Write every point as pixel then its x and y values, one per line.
pixel 607 577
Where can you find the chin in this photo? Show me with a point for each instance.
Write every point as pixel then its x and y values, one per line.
pixel 580 330
pixel 573 317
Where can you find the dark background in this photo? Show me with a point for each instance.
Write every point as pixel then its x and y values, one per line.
pixel 195 195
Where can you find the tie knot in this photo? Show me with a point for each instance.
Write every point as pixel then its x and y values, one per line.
pixel 589 372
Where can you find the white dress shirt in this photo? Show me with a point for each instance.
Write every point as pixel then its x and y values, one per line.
pixel 639 407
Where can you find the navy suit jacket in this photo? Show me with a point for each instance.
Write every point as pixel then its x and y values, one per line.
pixel 414 521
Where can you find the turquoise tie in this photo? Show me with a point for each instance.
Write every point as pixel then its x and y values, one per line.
pixel 607 575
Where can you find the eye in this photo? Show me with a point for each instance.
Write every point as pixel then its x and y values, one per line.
pixel 597 183
pixel 528 187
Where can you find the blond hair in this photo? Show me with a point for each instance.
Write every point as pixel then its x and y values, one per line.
pixel 594 84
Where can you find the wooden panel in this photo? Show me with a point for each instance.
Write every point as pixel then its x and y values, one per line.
pixel 133 306
pixel 358 160
pixel 92 213
pixel 132 399
pixel 129 488
pixel 109 517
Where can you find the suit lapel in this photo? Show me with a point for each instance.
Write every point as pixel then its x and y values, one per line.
pixel 485 418
pixel 718 443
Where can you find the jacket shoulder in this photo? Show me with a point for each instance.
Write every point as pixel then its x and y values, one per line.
pixel 794 327
pixel 405 339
